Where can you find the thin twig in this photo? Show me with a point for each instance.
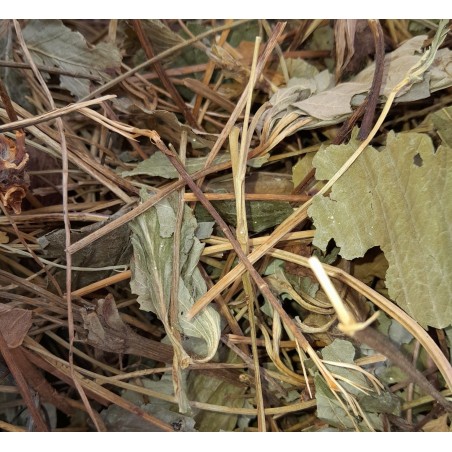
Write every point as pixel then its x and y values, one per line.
pixel 239 159
pixel 49 70
pixel 243 98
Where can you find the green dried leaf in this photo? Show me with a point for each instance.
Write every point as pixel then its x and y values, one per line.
pixel 245 32
pixel 342 351
pixel 16 84
pixel 386 402
pixel 261 215
pixel 298 67
pixel 52 44
pixel 118 419
pixel 159 165
pixel 208 389
pixel 303 284
pixel 328 408
pixel 386 199
pixel 152 269
pixel 111 250
pixel 442 121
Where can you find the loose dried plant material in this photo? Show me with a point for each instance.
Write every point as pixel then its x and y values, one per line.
pixel 397 198
pixel 14 324
pixel 13 178
pixel 217 391
pixel 159 165
pixel 152 270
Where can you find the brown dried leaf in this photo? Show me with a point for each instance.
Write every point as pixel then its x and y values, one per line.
pixel 14 324
pixel 13 179
pixel 106 330
pixel 437 425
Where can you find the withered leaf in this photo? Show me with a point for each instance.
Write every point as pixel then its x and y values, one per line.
pixel 14 180
pixel 159 165
pixel 152 270
pixel 53 44
pixel 397 198
pixel 14 324
pixel 114 249
pixel 333 104
pixel 106 331
pixel 261 215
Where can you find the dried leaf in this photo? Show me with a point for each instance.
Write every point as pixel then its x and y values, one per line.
pixel 208 389
pixel 437 425
pixel 332 105
pixel 161 36
pixel 53 44
pixel 165 123
pixel 261 215
pixel 14 324
pixel 3 237
pixel 14 180
pixel 18 88
pixel 159 165
pixel 328 407
pixel 152 269
pixel 442 121
pixel 112 250
pixel 105 330
pixel 385 199
pixel 342 351
pixel 119 420
pixel 299 68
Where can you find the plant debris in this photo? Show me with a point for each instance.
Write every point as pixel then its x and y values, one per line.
pixel 199 165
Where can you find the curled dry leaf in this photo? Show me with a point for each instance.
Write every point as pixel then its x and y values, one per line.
pixel 13 178
pixel 106 330
pixel 14 324
pixel 152 269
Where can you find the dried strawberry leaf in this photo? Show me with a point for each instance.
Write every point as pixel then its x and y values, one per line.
pixel 397 198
